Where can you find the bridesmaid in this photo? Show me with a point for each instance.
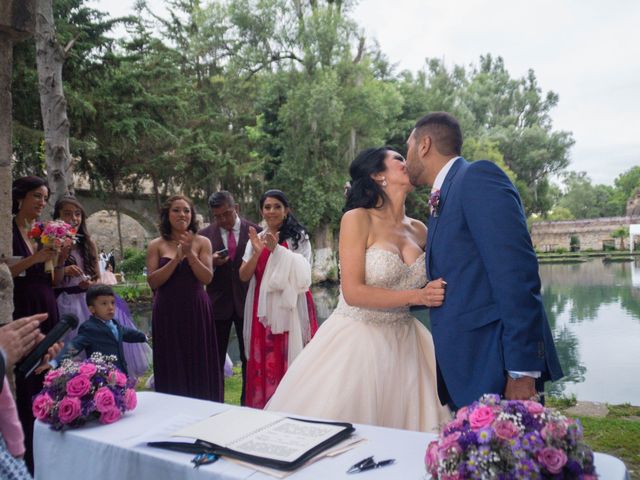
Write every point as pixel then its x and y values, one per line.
pixel 185 356
pixel 81 269
pixel 267 353
pixel 33 287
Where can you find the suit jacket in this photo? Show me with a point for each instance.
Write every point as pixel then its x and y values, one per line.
pixel 95 336
pixel 226 291
pixel 492 320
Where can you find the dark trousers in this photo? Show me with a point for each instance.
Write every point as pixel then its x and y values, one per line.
pixel 223 331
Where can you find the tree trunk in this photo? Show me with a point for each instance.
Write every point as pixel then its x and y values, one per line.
pixel 6 250
pixel 53 105
pixel 121 245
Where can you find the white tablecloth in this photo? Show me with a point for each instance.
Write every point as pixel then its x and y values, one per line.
pixel 119 451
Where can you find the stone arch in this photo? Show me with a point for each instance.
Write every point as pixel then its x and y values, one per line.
pixel 142 210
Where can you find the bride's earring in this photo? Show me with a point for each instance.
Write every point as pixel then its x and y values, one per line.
pixel 384 182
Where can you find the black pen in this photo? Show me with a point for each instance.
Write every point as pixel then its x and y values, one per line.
pixel 369 464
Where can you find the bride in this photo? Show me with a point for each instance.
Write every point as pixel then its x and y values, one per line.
pixel 371 361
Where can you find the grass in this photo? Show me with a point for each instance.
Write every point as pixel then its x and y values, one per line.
pixel 617 434
pixel 233 387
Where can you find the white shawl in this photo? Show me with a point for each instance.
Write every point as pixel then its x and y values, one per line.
pixel 282 303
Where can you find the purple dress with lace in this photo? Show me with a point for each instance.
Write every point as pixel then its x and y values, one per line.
pixel 73 299
pixel 185 354
pixel 32 293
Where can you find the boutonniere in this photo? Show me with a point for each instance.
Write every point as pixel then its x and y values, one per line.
pixel 434 202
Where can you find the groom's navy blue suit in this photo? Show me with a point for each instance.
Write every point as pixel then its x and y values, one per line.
pixel 492 319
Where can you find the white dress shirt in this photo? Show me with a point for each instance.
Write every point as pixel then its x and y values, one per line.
pixel 224 233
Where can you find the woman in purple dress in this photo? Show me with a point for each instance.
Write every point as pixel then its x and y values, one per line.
pixel 33 287
pixel 80 271
pixel 185 356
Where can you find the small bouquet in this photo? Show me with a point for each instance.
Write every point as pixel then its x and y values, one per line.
pixel 55 234
pixel 494 439
pixel 79 392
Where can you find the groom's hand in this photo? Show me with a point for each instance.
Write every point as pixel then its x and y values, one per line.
pixel 523 388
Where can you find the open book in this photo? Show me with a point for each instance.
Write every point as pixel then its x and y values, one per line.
pixel 266 438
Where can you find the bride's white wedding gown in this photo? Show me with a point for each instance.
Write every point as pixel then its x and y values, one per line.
pixel 367 365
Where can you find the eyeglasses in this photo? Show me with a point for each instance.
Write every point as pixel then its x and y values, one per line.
pixel 226 214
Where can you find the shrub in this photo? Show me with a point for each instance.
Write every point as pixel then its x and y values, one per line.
pixel 134 261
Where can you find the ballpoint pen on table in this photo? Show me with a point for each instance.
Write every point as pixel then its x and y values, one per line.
pixel 204 459
pixel 369 464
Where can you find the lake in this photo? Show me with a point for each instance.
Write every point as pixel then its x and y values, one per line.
pixel 594 312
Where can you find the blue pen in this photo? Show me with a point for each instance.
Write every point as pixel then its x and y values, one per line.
pixel 204 459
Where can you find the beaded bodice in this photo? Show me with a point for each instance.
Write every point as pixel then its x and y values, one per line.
pixel 386 269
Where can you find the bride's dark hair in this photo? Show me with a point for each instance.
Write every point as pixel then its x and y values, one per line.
pixel 365 191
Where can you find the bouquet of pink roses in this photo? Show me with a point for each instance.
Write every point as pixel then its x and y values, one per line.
pixel 509 440
pixel 55 234
pixel 76 392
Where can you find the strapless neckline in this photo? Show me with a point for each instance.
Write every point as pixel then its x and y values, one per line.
pixel 397 256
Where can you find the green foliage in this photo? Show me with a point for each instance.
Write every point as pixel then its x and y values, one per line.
pixel 133 262
pixel 560 213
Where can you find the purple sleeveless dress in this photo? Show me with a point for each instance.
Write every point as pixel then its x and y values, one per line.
pixel 32 293
pixel 185 354
pixel 73 299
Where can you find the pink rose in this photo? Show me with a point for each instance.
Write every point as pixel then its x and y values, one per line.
pixel 431 458
pixel 554 431
pixel 449 445
pixel 88 369
pixel 116 377
pixel 534 408
pixel 505 429
pixel 104 399
pixel 51 376
pixel 481 417
pixel 462 413
pixel 130 399
pixel 552 459
pixel 69 409
pixel 451 476
pixel 110 415
pixel 42 405
pixel 78 386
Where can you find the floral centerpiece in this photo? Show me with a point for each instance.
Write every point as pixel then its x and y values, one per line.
pixel 55 234
pixel 78 392
pixel 503 439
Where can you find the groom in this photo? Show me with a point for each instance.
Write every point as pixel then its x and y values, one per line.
pixel 491 334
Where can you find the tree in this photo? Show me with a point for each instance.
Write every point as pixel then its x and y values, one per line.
pixel 621 233
pixel 585 200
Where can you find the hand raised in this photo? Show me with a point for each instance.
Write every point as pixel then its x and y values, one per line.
pixel 20 336
pixel 270 241
pixel 186 242
pixel 256 241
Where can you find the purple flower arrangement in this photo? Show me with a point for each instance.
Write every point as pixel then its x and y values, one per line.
pixel 434 202
pixel 76 393
pixel 504 439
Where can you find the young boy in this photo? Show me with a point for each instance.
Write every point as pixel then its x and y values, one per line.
pixel 101 333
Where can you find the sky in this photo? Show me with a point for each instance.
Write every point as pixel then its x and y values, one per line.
pixel 586 51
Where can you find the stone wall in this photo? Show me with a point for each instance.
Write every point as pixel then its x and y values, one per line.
pixel 103 227
pixel 593 233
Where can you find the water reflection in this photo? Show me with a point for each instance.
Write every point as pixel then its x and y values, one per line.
pixel 594 313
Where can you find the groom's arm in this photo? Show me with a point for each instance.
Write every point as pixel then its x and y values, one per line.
pixel 495 217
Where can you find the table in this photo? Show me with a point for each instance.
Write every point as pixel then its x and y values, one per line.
pixel 118 451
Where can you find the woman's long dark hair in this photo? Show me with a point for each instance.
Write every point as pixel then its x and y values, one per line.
pixel 84 242
pixel 165 226
pixel 291 227
pixel 365 191
pixel 23 185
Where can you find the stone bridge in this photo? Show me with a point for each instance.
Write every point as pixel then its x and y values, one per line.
pixel 141 207
pixel 593 233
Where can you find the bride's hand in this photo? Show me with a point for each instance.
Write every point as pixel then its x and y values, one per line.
pixel 432 295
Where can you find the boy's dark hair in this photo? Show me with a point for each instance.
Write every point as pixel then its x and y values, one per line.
pixel 98 290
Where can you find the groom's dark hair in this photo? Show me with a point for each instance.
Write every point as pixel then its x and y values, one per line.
pixel 444 130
